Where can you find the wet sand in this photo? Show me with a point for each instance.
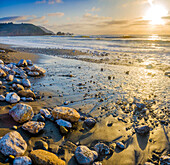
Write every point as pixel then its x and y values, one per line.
pixel 106 92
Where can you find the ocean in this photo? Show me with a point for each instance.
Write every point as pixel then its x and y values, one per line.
pixel 148 49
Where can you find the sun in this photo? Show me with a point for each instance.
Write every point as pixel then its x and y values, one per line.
pixel 155 14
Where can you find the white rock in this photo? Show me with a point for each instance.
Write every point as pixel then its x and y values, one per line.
pixel 84 155
pixel 22 160
pixel 12 97
pixel 12 144
pixel 64 123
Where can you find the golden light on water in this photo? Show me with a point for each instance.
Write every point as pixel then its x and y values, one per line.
pixel 155 14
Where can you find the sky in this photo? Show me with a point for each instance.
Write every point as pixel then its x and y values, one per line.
pixel 91 16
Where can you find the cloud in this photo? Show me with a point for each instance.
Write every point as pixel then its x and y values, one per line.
pixel 48 1
pixel 37 19
pixel 26 19
pixel 13 18
pixel 90 17
pixel 58 14
pixel 93 9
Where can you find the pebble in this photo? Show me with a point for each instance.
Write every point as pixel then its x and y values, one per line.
pixel 46 113
pixel 64 123
pixel 15 127
pixel 120 145
pixel 22 160
pixel 21 112
pixel 2 98
pixel 26 83
pixel 12 144
pixel 63 130
pixel 66 113
pixel 90 122
pixel 33 126
pixel 42 157
pixel 102 149
pixel 12 97
pixel 84 155
pixel 40 144
pixel 165 160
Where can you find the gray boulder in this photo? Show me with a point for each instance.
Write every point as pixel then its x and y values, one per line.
pixel 12 144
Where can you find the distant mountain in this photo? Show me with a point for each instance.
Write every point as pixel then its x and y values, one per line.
pixel 10 29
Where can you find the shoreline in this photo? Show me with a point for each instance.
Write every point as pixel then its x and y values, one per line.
pixel 94 94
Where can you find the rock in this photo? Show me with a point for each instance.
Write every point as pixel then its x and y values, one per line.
pixel 66 113
pixel 165 160
pixel 42 157
pixel 0 82
pixel 40 70
pixel 15 127
pixel 142 129
pixel 148 163
pixel 17 81
pixel 22 62
pixel 21 112
pixel 90 122
pixel 46 113
pixel 33 74
pixel 1 62
pixel 12 97
pixel 26 83
pixel 167 73
pixel 22 160
pixel 29 62
pixel 97 163
pixel 120 145
pixel 84 155
pixel 23 75
pixel 63 130
pixel 38 117
pixel 2 73
pixel 2 98
pixel 64 123
pixel 18 87
pixel 102 149
pixel 33 126
pixel 12 144
pixel 10 77
pixel 26 93
pixel 41 145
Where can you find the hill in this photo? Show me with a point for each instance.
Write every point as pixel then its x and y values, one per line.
pixel 10 29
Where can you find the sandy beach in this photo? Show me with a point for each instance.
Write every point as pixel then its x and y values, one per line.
pixel 119 97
